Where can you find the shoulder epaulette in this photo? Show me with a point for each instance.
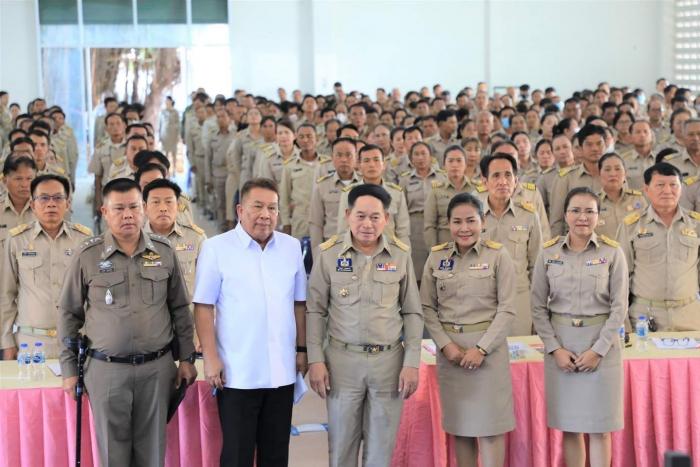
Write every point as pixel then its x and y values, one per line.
pixel 349 187
pixel 19 229
pixel 288 160
pixel 197 229
pixel 690 180
pixel 609 241
pixel 82 229
pixel 159 238
pixel 434 160
pixel 395 162
pixel 632 218
pixel 481 188
pixel 630 191
pixel 404 174
pixel 185 197
pixel 328 243
pixel 394 186
pixel 60 170
pixel 271 153
pixel 563 172
pixel 546 171
pixel 550 242
pixel 395 240
pixel 441 246
pixel 119 161
pixel 695 215
pixel 92 241
pixel 436 184
pixel 323 177
pixel 493 245
pixel 182 205
pixel 671 156
pixel 324 159
pixel 528 206
pixel 529 186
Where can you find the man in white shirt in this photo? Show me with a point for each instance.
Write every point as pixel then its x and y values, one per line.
pixel 254 343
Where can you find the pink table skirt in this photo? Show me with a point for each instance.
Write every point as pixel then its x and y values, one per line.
pixel 662 412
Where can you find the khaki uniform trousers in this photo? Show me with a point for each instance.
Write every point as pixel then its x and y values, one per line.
pixel 363 405
pixel 130 408
pixel 199 181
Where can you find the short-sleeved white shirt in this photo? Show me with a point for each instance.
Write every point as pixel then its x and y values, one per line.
pixel 254 291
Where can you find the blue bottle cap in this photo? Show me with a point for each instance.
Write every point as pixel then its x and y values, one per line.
pixel 38 344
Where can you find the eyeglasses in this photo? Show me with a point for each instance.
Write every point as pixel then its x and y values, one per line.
pixel 44 199
pixel 579 211
pixel 675 340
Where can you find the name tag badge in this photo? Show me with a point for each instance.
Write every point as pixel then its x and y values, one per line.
pixel 644 233
pixel 479 266
pixel 555 260
pixel 150 264
pixel 68 252
pixel 595 262
pixel 106 266
pixel 446 264
pixel 28 253
pixel 390 267
pixel 519 228
pixel 344 265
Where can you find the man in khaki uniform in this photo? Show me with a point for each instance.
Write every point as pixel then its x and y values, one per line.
pixel 363 296
pixel 34 263
pixel 517 226
pixel 661 246
pixel 297 184
pixel 195 148
pixel 108 152
pixel 18 174
pixel 126 290
pixel 323 211
pixel 126 167
pixel 371 166
pixel 592 139
pixel 688 160
pixel 641 157
pixel 65 134
pixel 42 157
pixel 218 147
pixel 445 137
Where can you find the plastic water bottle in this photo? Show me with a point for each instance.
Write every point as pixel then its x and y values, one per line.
pixel 621 333
pixel 38 360
pixel 642 332
pixel 24 360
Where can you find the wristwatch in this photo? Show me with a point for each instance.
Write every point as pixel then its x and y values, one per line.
pixel 191 359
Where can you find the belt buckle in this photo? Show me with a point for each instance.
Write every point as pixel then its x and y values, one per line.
pixel 577 322
pixel 138 359
pixel 456 328
pixel 51 333
pixel 372 349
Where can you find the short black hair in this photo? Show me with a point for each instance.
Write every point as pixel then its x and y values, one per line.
pixel 366 189
pixel 142 157
pixel 465 198
pixel 498 144
pixel 661 168
pixel 40 134
pixel 147 168
pixel 136 138
pixel 589 130
pixel 350 126
pixel 161 183
pixel 260 182
pixel 486 161
pixel 15 131
pixel 610 155
pixel 115 114
pixel 413 128
pixel 13 164
pixel 676 113
pixel 619 115
pixel 581 190
pixel 443 115
pixel 343 139
pixel 120 185
pixel 22 140
pixel 49 177
pixel 370 147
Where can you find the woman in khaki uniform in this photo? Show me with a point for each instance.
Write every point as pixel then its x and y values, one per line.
pixel 616 201
pixel 472 147
pixel 579 302
pixel 468 305
pixel 416 183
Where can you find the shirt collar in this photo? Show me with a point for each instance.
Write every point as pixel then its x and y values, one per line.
pixel 593 240
pixel 37 229
pixel 354 179
pixel 177 229
pixel 476 247
pixel 347 245
pixel 246 240
pixel 510 207
pixel 651 216
pixel 110 245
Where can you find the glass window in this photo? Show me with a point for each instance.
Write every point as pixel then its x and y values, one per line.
pixel 161 11
pixel 107 12
pixel 58 11
pixel 209 11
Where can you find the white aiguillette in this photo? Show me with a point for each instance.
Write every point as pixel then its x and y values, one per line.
pixel 108 297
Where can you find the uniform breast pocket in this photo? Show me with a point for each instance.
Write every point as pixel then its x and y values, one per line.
pixel 108 287
pixel 688 248
pixel 154 286
pixel 29 268
pixel 387 294
pixel 446 285
pixel 479 282
pixel 648 250
pixel 345 293
pixel 598 280
pixel 517 241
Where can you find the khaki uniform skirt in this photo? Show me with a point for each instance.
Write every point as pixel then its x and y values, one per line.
pixel 584 402
pixel 476 402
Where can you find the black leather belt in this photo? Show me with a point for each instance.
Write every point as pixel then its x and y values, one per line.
pixel 137 359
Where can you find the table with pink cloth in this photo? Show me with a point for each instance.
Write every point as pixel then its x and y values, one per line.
pixel 662 411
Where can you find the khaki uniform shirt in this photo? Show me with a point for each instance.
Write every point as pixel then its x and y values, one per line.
pixel 612 214
pixel 324 167
pixel 545 184
pixel 241 158
pixel 218 148
pixel 271 166
pixel 518 229
pixel 120 169
pixel 34 266
pixel 569 178
pixel 127 304
pixel 684 163
pixel 439 145
pixel 323 211
pixel 591 282
pixel 663 262
pixel 261 155
pixel 193 140
pixel 672 142
pixel 295 194
pixel 635 165
pixel 67 136
pixel 52 168
pixel 105 155
pixel 469 288
pixel 187 241
pixel 416 188
pixel 360 300
pixel 435 228
pixel 399 224
pixel 690 196
pixel 663 135
pixel 10 218
pixel 529 174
